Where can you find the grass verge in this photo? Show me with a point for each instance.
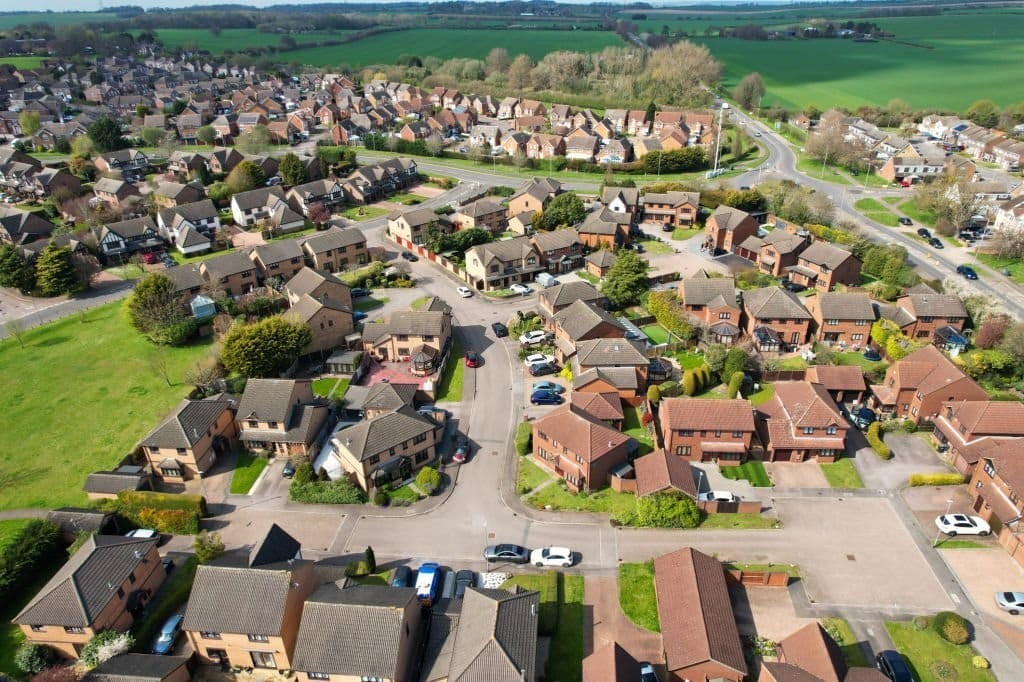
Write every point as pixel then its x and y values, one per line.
pixel 842 474
pixel 739 522
pixel 655 247
pixel 530 476
pixel 961 544
pixel 840 630
pixel 247 469
pixel 360 213
pixel 449 387
pixel 682 233
pixel 620 506
pixel 789 569
pixel 1014 266
pixel 368 303
pixel 932 658
pixel 751 470
pixel 636 595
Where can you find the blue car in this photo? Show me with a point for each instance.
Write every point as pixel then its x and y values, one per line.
pixel 402 577
pixel 358 315
pixel 168 633
pixel 549 386
pixel 545 398
pixel 427 583
pixel 966 271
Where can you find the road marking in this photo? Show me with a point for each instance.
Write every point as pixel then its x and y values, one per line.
pixel 956 599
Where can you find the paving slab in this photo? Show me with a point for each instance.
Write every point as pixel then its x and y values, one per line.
pixel 796 474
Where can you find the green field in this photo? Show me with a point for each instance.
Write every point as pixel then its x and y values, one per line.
pixel 945 61
pixel 22 62
pixel 112 397
pixel 384 48
pixel 236 39
pixel 10 20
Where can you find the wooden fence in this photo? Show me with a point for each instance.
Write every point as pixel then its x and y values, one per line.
pixel 762 578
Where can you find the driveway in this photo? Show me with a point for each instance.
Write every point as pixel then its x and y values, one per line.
pixel 911 454
pixel 765 611
pixel 796 474
pixel 983 572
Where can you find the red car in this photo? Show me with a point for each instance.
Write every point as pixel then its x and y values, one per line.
pixel 472 359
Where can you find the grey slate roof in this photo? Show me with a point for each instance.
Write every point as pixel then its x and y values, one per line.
pixel 481 207
pixel 564 294
pixel 388 396
pixel 821 253
pixel 556 239
pixel 78 520
pixel 187 423
pixel 937 305
pixel 278 251
pixel 197 210
pixel 704 290
pixel 581 317
pixel 307 280
pixel 610 353
pixel 505 250
pixel 374 436
pixel 272 399
pixel 774 303
pixel 136 227
pixel 185 276
pixel 238 600
pixel 416 322
pixel 258 197
pixel 846 306
pixel 113 482
pixel 334 237
pixel 136 668
pixel 229 264
pixel 80 590
pixel 496 639
pixel 353 631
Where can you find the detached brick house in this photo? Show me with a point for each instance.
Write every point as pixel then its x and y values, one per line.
pixel 233 273
pixel 410 227
pixel 930 312
pixel 561 250
pixel 997 491
pixel 280 416
pixel 103 586
pixel 534 197
pixel 581 451
pixel 186 443
pixel 612 354
pixel 486 214
pixel 726 228
pixel 498 265
pixel 674 209
pixel 417 335
pixel 336 249
pixel 582 321
pixel 801 422
pixel 282 259
pixel 967 428
pixel 774 253
pixel 390 446
pixel 821 266
pixel 699 430
pixel 844 319
pixel 917 386
pixel 604 229
pixel 775 319
pixel 553 299
pixel 712 302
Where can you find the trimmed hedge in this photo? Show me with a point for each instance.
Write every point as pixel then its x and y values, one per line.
pixel 36 545
pixel 874 438
pixel 952 627
pixel 735 381
pixel 936 479
pixel 689 383
pixel 524 438
pixel 670 389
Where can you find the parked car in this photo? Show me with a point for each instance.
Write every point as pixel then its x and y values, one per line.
pixel 533 338
pixel 168 564
pixel 427 579
pixel 359 315
pixel 559 557
pixel 448 585
pixel 513 554
pixel 534 358
pixel 289 469
pixel 168 633
pixel 962 524
pixel 358 292
pixel 145 533
pixel 547 386
pixel 520 289
pixel 150 258
pixel 872 355
pixel 273 180
pixel 402 577
pixel 717 496
pixel 464 580
pixel 500 330
pixel 923 232
pixel 1011 602
pixel 891 664
pixel 647 673
pixel 966 236
pixel 967 271
pixel 465 292
pixel 410 256
pixel 461 453
pixel 864 417
pixel 936 243
pixel 792 286
pixel 545 398
pixel 541 369
pixel 472 359
pixel 906 221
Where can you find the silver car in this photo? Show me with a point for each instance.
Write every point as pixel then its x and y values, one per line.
pixel 1011 602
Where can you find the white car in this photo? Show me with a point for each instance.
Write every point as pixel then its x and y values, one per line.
pixel 520 289
pixel 961 524
pixel 717 496
pixel 538 357
pixel 465 292
pixel 533 338
pixel 1011 602
pixel 559 557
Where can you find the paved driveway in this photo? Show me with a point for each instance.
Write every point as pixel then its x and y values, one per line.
pixel 796 474
pixel 911 454
pixel 983 572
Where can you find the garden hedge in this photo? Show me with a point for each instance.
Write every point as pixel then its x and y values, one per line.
pixel 874 438
pixel 524 436
pixel 936 479
pixel 35 546
pixel 952 627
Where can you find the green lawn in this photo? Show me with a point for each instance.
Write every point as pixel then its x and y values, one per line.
pixel 631 426
pixel 323 387
pixel 826 172
pixel 620 506
pixel 909 207
pixel 22 62
pixel 655 247
pixel 587 277
pixel 114 397
pixel 404 495
pixel 738 522
pixel 793 363
pixel 8 529
pixel 945 543
pixel 369 303
pixel 840 630
pixel 565 658
pixel 875 210
pixel 751 470
pixel 926 652
pixel 842 474
pixel 636 595
pixel 530 475
pixel 683 234
pixel 688 360
pixel 182 259
pixel 406 198
pixel 763 395
pixel 854 358
pixel 656 333
pixel 359 213
pixel 449 386
pixel 247 470
pixel 1014 265
pixel 236 39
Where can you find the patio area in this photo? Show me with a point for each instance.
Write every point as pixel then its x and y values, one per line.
pixel 396 372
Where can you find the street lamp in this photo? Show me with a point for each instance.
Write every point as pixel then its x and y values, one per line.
pixel 700 480
pixel 938 532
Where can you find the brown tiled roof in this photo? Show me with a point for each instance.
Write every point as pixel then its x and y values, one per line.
pixel 581 436
pixel 804 404
pixel 622 378
pixel 727 217
pixel 581 318
pixel 702 414
pixel 837 377
pixel 599 406
pixel 784 242
pixel 989 417
pixel 785 672
pixel 611 663
pixel 697 623
pixel 928 370
pixel 704 290
pixel 610 352
pixel 187 423
pixel 933 305
pixel 774 303
pixel 845 306
pixel 564 294
pixel 238 600
pixel 659 470
pixel 813 650
pixel 821 253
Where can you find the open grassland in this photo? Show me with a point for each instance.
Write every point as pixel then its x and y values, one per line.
pixel 12 19
pixel 22 62
pixel 236 38
pixel 76 399
pixel 384 48
pixel 944 61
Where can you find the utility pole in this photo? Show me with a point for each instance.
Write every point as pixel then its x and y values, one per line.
pixel 718 138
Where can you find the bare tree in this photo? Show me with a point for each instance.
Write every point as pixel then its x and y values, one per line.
pixel 434 144
pixel 204 372
pixel 392 142
pixel 16 327
pixel 87 268
pixel 159 364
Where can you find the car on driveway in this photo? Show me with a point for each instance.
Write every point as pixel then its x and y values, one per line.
pixel 547 386
pixel 358 292
pixel 461 453
pixel 647 673
pixel 513 554
pixel 168 633
pixel 520 289
pixel 500 330
pixel 962 524
pixel 150 258
pixel 924 233
pixel 402 577
pixel 906 221
pixel 936 243
pixel 472 359
pixel 558 557
pixel 464 580
pixel 717 496
pixel 534 358
pixel 863 417
pixel 793 286
pixel 891 664
pixel 545 398
pixel 289 469
pixel 1011 602
pixel 542 369
pixel 966 271
pixel 410 256
pixel 533 338
pixel 465 292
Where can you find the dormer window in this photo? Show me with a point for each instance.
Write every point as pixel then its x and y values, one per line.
pixel 831 430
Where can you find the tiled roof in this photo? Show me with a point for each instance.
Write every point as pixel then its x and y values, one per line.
pixel 306 307
pixel 238 600
pixel 273 399
pixel 233 263
pixel 584 438
pixel 136 668
pixel 774 303
pixel 989 417
pixel 602 258
pixel 564 294
pixel 703 414
pixel 353 631
pixel 837 377
pixel 197 210
pixel 389 396
pixel 505 250
pixel 611 663
pixel 895 313
pixel 334 237
pixel 278 251
pixel 374 436
pixel 933 305
pixel 610 353
pixel 556 239
pixel 113 482
pixel 496 638
pixel 697 623
pixel 187 423
pixel 784 242
pixel 672 198
pixel 580 318
pixel 727 217
pixel 307 280
pixel 77 520
pixel 845 306
pixel 813 650
pixel 136 227
pixel 185 277
pixel 928 370
pixel 481 207
pixel 599 406
pixel 659 470
pixel 804 404
pixel 703 290
pixel 416 322
pixel 255 198
pixel 416 217
pixel 821 253
pixel 622 378
pixel 85 585
pixel 603 222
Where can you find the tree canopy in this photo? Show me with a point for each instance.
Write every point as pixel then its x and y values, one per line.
pixel 265 348
pixel 749 91
pixel 245 176
pixel 291 170
pixel 105 134
pixel 55 271
pixel 627 280
pixel 256 141
pixel 158 311
pixel 564 209
pixel 15 271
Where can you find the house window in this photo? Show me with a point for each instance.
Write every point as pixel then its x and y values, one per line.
pixel 74 630
pixel 419 439
pixel 120 593
pixel 725 316
pixel 989 469
pixel 827 453
pixel 686 432
pixel 38 628
pixel 862 323
pixel 832 322
pixel 263 659
pixel 856 337
pixel 683 450
pixel 154 451
pixel 922 334
pixel 914 411
pixel 579 459
pixel 318 676
pixel 131 578
pixel 737 434
pixel 421 456
pixel 210 635
pixel 258 638
pixel 252 424
pixel 372 459
pixel 181 451
pixel 170 472
pixel 718 434
pixel 831 430
pixel 808 430
pixel 906 406
pixel 271 425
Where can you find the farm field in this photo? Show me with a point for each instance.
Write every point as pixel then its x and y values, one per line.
pixel 76 399
pixel 946 61
pixel 236 38
pixel 384 48
pixel 12 19
pixel 22 62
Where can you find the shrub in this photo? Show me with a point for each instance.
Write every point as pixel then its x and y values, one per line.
pixel 689 383
pixel 980 662
pixel 952 627
pixel 370 559
pixel 356 569
pixel 669 389
pixel 34 546
pixel 666 309
pixel 524 436
pixel 653 394
pixel 428 480
pixel 735 361
pixel 874 438
pixel 704 376
pixel 32 657
pixel 735 381
pixel 303 474
pixel 936 479
pixel 381 498
pixel 327 492
pixel 104 646
pixel 207 546
pixel 920 622
pixel 667 510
